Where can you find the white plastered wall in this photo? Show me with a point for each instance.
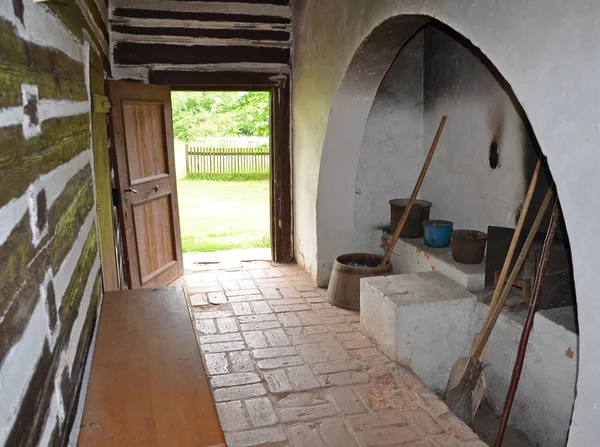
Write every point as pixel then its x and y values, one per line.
pixel 547 52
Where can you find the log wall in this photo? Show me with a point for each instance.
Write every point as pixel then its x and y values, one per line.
pixel 50 279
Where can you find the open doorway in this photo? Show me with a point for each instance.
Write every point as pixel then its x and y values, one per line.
pixel 145 194
pixel 223 158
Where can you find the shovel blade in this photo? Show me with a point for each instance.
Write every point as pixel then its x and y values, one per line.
pixel 456 374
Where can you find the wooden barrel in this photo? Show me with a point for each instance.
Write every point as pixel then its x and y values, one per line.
pixel 344 285
pixel 418 213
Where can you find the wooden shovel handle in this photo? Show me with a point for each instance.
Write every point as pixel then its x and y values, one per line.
pixel 415 192
pixel 494 312
pixel 512 248
pixel 517 233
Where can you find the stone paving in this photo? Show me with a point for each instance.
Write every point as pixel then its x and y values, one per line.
pixel 288 369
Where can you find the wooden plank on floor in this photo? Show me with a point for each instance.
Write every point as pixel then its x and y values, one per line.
pixel 148 386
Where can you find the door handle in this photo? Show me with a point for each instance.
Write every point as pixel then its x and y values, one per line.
pixel 154 188
pixel 134 191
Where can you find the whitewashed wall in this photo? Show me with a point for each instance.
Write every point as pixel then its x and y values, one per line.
pixel 460 182
pixel 392 149
pixel 548 54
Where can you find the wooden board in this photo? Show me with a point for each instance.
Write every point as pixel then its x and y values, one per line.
pixel 104 207
pixel 142 132
pixel 148 386
pixel 281 179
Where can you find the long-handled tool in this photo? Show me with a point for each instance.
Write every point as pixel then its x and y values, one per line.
pixel 539 281
pixel 516 236
pixel 466 384
pixel 415 192
pixel 493 314
pixel 466 392
pixel 459 367
pixel 464 395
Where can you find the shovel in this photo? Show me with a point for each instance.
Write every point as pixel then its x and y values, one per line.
pixel 459 369
pixel 466 384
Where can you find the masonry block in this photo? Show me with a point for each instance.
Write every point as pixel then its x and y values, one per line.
pixel 423 320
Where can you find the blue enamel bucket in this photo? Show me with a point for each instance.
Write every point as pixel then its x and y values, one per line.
pixel 437 233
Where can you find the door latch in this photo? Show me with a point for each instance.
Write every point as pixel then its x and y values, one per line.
pixel 101 104
pixel 131 190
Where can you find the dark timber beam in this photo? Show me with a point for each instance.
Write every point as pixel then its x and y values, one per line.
pixel 248 34
pixel 201 16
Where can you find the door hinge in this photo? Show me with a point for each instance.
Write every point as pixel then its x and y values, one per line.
pixel 101 104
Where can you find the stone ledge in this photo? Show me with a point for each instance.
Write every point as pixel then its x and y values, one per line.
pixel 413 256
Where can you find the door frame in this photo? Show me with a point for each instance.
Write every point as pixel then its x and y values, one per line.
pixel 278 85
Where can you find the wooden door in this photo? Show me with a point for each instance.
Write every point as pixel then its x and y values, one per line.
pixel 142 143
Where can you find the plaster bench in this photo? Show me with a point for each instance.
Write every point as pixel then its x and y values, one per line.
pixel 148 384
pixel 423 320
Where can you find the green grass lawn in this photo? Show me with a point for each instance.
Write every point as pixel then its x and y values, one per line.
pixel 219 215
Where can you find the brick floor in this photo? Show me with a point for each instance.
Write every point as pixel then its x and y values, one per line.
pixel 288 369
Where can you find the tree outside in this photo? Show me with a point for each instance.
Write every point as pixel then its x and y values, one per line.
pixel 220 114
pixel 226 212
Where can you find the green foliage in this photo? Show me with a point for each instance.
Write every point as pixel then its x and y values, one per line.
pixel 248 177
pixel 220 114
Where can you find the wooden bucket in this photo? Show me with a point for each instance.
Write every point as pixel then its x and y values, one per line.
pixel 344 285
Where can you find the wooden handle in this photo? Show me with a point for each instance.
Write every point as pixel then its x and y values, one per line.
pixel 517 233
pixel 512 248
pixel 415 192
pixel 494 311
pixel 528 326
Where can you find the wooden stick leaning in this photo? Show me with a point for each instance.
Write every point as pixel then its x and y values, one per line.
pixel 466 385
pixel 513 244
pixel 528 326
pixel 494 313
pixel 415 192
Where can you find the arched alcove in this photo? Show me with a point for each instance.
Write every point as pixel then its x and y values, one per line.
pixel 478 178
pixel 406 74
pixel 337 231
pixel 439 72
pixel 548 55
